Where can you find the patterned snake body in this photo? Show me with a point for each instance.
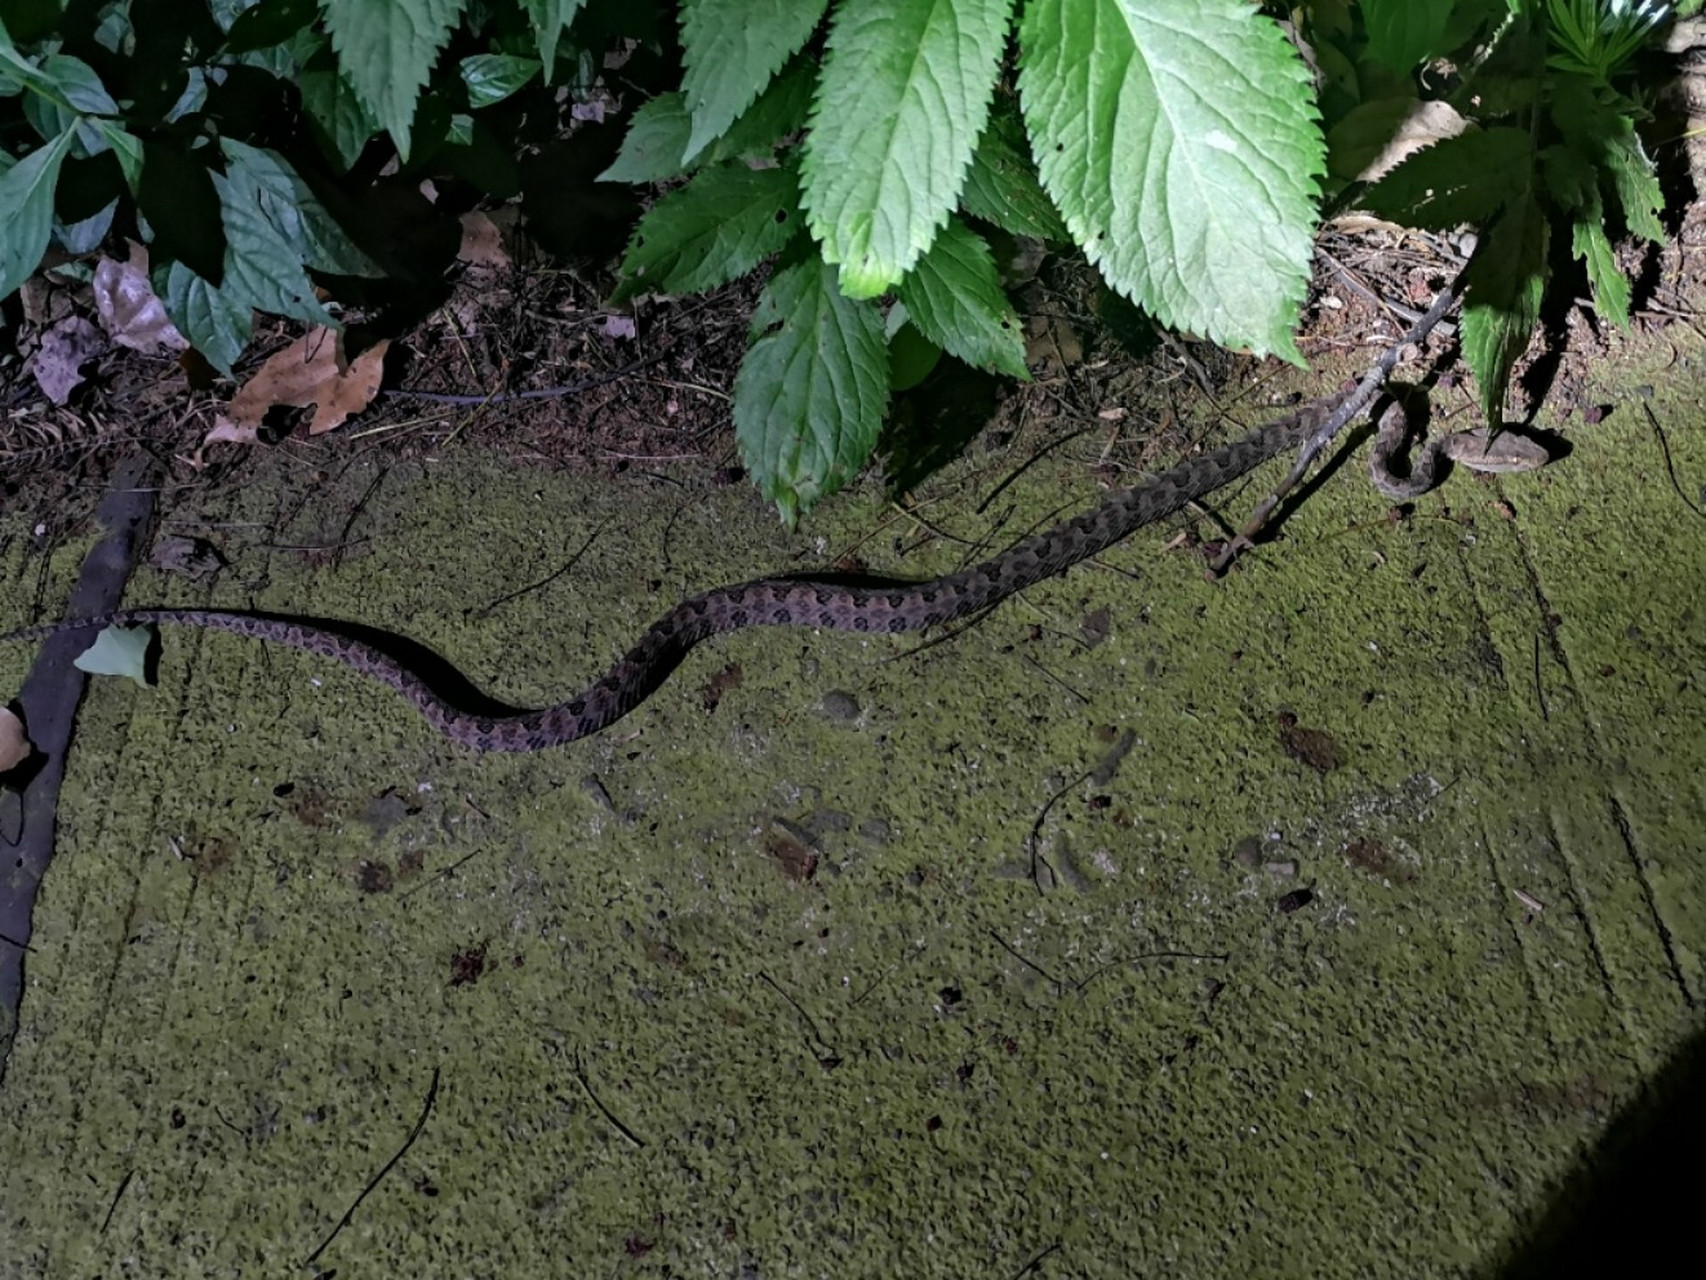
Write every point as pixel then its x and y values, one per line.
pixel 801 602
pixel 769 602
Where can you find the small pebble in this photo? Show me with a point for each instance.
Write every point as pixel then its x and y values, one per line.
pixel 840 706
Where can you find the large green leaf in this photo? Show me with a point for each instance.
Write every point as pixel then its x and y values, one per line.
pixel 1002 187
pixel 812 390
pixel 265 180
pixel 1178 140
pixel 387 50
pixel 550 19
pixel 64 91
pixel 1457 180
pixel 1502 287
pixel 214 319
pixel 901 101
pixel 954 298
pixel 732 48
pixel 719 226
pixel 339 119
pixel 1603 132
pixel 780 110
pixel 492 77
pixel 1403 32
pixel 1609 285
pixel 274 228
pixel 655 144
pixel 26 211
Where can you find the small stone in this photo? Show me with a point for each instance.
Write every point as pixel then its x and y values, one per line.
pixel 840 706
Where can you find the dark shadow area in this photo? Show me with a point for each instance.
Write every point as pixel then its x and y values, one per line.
pixel 934 422
pixel 1629 1208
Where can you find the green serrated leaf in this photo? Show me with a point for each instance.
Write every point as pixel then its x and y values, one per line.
pixel 387 51
pixel 1457 180
pixel 954 297
pixel 549 20
pixel 1502 285
pixel 1604 134
pixel 720 225
pixel 26 211
pixel 1002 186
pixel 1507 78
pixel 655 144
pixel 268 23
pixel 492 77
pixel 1402 33
pixel 1570 179
pixel 811 393
pixel 780 110
pixel 301 223
pixel 340 121
pixel 902 98
pixel 1610 286
pixel 731 49
pixel 1177 139
pixel 216 322
pixel 1363 132
pixel 118 651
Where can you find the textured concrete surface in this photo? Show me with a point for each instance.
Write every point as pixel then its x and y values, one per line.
pixel 1391 908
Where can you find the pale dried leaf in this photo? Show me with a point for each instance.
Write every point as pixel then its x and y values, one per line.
pixel 225 431
pixel 482 241
pixel 311 373
pixel 15 747
pixel 58 362
pixel 128 309
pixel 1429 122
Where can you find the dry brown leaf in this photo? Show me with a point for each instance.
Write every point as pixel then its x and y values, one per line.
pixel 57 365
pixel 15 747
pixel 128 308
pixel 310 373
pixel 223 431
pixel 1427 123
pixel 482 241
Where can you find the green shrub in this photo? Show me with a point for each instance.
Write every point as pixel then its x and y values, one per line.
pixel 863 152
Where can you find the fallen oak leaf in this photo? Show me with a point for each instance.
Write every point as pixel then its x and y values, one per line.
pixel 312 373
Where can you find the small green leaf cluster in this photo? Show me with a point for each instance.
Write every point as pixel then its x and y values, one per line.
pixel 223 133
pixel 878 151
pixel 1534 107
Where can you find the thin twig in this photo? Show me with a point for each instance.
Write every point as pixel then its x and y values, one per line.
pixel 624 1130
pixel 426 1110
pixel 1353 404
pixel 1670 467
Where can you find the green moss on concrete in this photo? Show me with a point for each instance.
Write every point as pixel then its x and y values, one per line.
pixel 272 874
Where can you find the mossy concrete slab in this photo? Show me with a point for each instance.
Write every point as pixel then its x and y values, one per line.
pixel 282 906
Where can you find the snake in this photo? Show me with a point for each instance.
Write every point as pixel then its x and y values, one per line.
pixel 887 608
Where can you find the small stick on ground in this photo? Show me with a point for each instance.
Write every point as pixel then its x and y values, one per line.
pixel 1354 403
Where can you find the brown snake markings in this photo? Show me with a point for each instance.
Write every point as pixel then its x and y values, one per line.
pixel 770 602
